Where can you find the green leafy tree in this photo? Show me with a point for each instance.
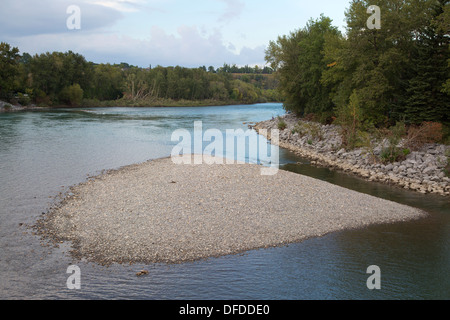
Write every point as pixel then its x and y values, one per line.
pixel 379 61
pixel 9 62
pixel 338 74
pixel 299 61
pixel 68 78
pixel 52 72
pixel 244 92
pixel 72 95
pixel 282 55
pixel 107 83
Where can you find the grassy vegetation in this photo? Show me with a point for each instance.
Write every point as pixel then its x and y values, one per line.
pixel 281 124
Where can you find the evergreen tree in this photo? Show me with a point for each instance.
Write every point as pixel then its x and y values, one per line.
pixel 427 101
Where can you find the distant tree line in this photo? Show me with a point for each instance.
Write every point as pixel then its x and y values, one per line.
pixel 68 78
pixel 246 69
pixel 373 77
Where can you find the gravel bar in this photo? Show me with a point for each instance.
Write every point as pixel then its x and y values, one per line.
pixel 161 212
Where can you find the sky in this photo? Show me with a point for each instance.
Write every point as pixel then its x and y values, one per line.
pixel 188 33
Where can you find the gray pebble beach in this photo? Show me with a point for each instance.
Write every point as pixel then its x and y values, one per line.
pixel 161 212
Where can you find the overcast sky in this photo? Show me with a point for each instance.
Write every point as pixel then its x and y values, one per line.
pixel 188 33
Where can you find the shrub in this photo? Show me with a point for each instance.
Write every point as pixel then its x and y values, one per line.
pixel 41 98
pixel 281 124
pixel 310 117
pixel 72 95
pixel 327 118
pixel 446 134
pixel 368 143
pixel 24 99
pixel 427 132
pixel 315 131
pixel 396 133
pixel 393 154
pixel 311 129
pixel 350 118
pixel 299 128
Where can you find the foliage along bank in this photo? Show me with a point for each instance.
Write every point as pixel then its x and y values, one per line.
pixel 368 79
pixel 52 79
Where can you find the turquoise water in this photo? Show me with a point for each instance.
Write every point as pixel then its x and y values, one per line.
pixel 43 153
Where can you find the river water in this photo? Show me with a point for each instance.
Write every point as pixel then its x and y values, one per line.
pixel 43 153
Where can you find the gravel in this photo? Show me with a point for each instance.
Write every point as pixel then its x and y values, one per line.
pixel 160 212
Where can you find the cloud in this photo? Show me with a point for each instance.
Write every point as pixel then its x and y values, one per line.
pixel 121 5
pixel 233 10
pixel 37 27
pixel 30 17
pixel 187 48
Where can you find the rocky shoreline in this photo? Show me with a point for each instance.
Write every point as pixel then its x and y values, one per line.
pixel 422 171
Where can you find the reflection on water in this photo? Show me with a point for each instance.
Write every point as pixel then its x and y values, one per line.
pixel 43 153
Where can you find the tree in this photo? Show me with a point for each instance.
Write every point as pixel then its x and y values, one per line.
pixel 218 91
pixel 282 56
pixel 378 65
pixel 350 118
pixel 107 83
pixel 58 77
pixel 9 61
pixel 299 61
pixel 244 92
pixel 52 72
pixel 211 69
pixel 72 95
pixel 427 101
pixel 338 74
pixel 442 23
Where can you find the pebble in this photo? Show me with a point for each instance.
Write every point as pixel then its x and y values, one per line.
pixel 133 215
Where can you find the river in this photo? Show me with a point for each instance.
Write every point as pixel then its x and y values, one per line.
pixel 43 153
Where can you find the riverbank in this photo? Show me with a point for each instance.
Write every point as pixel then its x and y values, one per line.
pixel 159 103
pixel 124 103
pixel 160 212
pixel 422 171
pixel 8 107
